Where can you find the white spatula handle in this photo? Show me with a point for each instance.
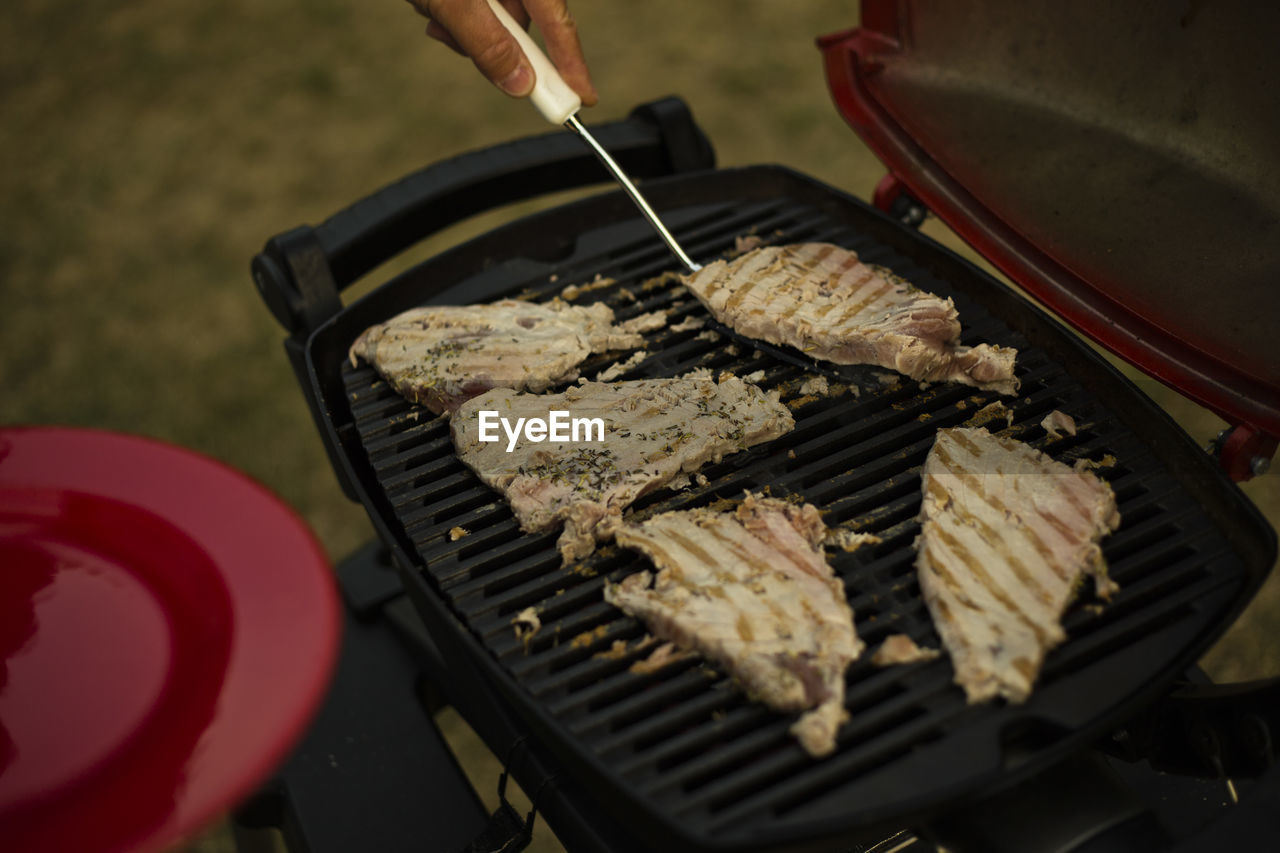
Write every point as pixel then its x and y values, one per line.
pixel 551 95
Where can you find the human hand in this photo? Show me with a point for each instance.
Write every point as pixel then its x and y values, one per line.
pixel 472 30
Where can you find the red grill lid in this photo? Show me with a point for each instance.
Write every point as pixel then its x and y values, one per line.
pixel 1120 161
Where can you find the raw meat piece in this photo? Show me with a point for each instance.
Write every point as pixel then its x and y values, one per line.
pixel 850 540
pixel 752 591
pixel 820 299
pixel 527 623
pixel 661 657
pixel 1056 423
pixel 655 430
pixel 440 356
pixel 898 649
pixel 616 369
pixel 816 385
pixel 1006 538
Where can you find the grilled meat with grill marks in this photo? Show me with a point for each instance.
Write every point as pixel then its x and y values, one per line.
pixel 820 299
pixel 440 356
pixel 752 591
pixel 654 430
pixel 1007 536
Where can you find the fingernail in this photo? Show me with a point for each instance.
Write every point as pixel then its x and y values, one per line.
pixel 519 82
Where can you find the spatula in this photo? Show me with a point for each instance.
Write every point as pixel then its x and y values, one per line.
pixel 559 105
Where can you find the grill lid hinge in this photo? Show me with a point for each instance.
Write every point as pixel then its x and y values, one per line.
pixel 1244 451
pixel 891 196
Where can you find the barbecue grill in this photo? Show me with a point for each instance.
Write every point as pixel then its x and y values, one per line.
pixel 678 758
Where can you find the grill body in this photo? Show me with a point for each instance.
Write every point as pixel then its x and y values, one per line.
pixel 680 754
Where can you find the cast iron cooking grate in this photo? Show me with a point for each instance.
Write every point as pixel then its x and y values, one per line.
pixel 683 739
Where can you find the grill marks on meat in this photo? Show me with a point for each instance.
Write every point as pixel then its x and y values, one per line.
pixel 440 356
pixel 819 298
pixel 752 591
pixel 655 430
pixel 1007 536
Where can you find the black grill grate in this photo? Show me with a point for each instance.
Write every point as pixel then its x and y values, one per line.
pixel 683 740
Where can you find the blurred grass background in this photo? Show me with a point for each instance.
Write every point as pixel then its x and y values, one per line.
pixel 150 148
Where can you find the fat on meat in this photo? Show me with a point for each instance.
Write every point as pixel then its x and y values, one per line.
pixel 1007 536
pixel 901 649
pixel 821 299
pixel 752 591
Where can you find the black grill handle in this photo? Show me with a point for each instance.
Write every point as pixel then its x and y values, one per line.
pixel 301 272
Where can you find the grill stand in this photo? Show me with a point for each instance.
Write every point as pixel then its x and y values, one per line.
pixel 375 773
pixel 372 751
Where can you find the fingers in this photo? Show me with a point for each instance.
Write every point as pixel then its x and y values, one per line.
pixel 560 34
pixel 471 28
pixel 440 34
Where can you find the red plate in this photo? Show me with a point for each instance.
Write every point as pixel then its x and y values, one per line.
pixel 167 629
